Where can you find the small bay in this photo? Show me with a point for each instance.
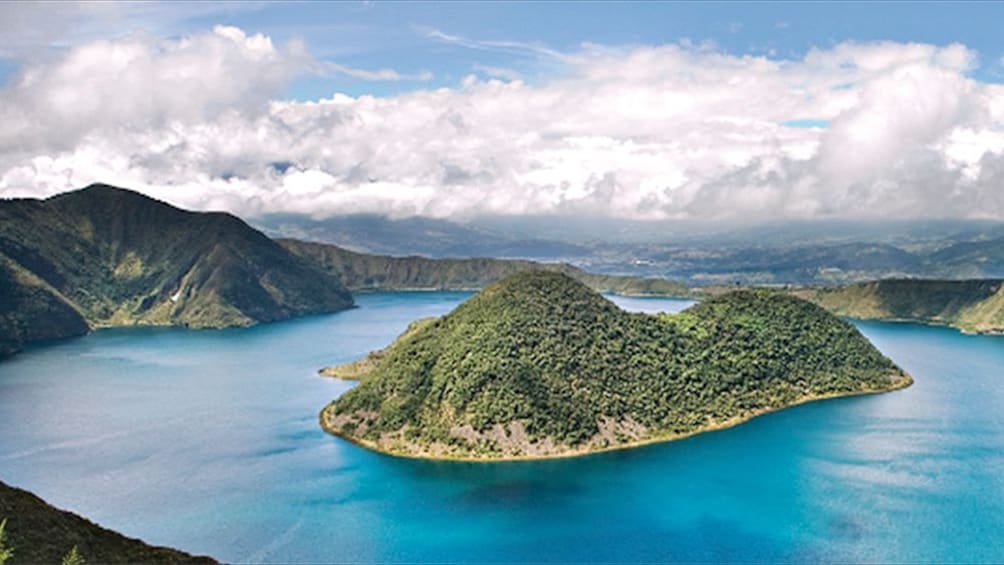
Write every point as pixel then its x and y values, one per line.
pixel 208 441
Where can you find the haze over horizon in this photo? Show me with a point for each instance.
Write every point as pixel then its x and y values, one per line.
pixel 729 112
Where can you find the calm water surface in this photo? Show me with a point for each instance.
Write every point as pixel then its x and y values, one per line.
pixel 208 441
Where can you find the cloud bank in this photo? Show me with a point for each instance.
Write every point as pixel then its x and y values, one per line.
pixel 648 132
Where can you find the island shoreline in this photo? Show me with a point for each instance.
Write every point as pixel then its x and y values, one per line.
pixel 904 381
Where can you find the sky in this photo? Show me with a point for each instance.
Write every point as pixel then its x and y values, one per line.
pixel 712 112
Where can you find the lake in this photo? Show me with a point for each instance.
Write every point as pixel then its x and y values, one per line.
pixel 208 441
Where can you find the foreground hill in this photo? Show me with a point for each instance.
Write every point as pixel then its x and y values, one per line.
pixel 539 365
pixel 104 256
pixel 360 271
pixel 975 306
pixel 39 533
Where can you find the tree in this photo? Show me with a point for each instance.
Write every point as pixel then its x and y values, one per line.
pixel 6 552
pixel 73 558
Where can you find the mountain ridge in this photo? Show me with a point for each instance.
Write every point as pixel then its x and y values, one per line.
pixel 972 306
pixel 361 271
pixel 116 257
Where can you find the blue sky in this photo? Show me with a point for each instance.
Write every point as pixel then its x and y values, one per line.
pixel 393 34
pixel 643 110
pixel 396 35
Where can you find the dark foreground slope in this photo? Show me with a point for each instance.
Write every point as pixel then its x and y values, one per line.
pixel 111 257
pixel 39 533
pixel 539 365
pixel 975 306
pixel 360 271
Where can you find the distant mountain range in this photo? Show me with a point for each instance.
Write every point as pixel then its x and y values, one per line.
pixel 804 252
pixel 360 271
pixel 379 235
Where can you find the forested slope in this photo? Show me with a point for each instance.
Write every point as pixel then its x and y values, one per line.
pixel 540 365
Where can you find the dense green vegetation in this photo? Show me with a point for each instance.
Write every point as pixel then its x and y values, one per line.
pixel 538 364
pixel 360 368
pixel 31 310
pixel 975 306
pixel 359 271
pixel 35 532
pixel 107 256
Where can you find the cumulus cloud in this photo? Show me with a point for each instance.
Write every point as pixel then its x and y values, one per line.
pixel 670 131
pixel 119 87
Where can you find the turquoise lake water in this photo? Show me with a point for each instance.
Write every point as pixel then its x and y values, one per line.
pixel 208 441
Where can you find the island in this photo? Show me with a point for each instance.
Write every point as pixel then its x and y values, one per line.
pixel 539 365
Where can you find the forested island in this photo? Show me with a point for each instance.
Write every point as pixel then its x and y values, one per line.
pixel 539 365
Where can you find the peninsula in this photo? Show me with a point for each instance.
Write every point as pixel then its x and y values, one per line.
pixel 539 365
pixel 971 306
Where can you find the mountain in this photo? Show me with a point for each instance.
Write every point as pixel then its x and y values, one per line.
pixel 815 251
pixel 359 271
pixel 976 258
pixel 109 257
pixel 372 233
pixel 31 310
pixel 39 533
pixel 975 306
pixel 539 365
pixel 796 264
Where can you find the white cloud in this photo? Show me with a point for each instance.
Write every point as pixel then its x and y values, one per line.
pixel 119 87
pixel 28 29
pixel 672 131
pixel 492 71
pixel 378 75
pixel 517 47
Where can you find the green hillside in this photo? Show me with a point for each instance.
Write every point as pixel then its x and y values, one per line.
pixel 39 533
pixel 540 365
pixel 31 310
pixel 975 306
pixel 115 257
pixel 360 271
